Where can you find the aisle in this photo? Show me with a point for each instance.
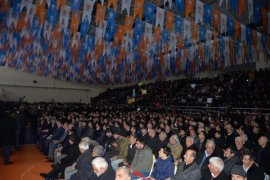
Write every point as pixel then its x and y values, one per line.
pixel 28 163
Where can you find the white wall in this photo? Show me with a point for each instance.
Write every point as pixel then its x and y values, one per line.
pixel 15 85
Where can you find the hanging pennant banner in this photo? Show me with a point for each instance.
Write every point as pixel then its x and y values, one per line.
pixel 195 31
pixel 216 20
pixel 199 12
pixel 75 5
pixel 231 27
pixel 243 33
pixel 100 13
pixel 189 7
pixel 126 4
pixel 178 25
pixel 250 11
pixel 208 15
pixel 221 2
pixel 249 35
pixel 160 18
pixel 112 3
pixel 138 8
pixel 264 19
pixel 180 6
pixel 257 13
pixel 202 33
pixel 61 3
pixel 64 16
pixel 169 21
pixel 75 21
pixel 242 7
pixel 170 3
pixel 237 30
pixel 187 31
pixel 88 9
pixel 223 23
pixel 148 32
pixel 149 12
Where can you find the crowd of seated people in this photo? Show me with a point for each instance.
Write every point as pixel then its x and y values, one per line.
pixel 90 142
pixel 200 146
pixel 238 89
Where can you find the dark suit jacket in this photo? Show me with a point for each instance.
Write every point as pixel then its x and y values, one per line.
pixel 221 176
pixel 107 175
pixel 83 166
pixel 131 153
pixel 191 173
pixel 204 168
pixel 254 172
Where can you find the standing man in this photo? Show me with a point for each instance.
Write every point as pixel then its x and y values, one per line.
pixel 6 130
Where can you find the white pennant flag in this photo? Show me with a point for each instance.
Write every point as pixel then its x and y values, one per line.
pixel 221 2
pixel 199 11
pixel 243 33
pixel 160 17
pixel 76 39
pixel 88 9
pixel 64 16
pixel 47 30
pixel 12 20
pixel 170 3
pixel 148 32
pixel 126 4
pixel 223 23
pixel 250 11
pixel 32 11
pixel 259 41
pixel 48 3
pixel 24 4
pixel 172 42
pixel 187 29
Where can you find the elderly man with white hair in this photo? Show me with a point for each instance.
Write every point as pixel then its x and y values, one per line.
pixel 81 167
pixel 215 166
pixel 102 170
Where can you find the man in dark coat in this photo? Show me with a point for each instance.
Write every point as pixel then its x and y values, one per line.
pixel 264 155
pixel 253 171
pixel 72 152
pixel 102 169
pixel 6 133
pixel 231 160
pixel 215 166
pixel 188 169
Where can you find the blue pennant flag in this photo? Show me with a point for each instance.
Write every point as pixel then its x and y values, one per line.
pixel 264 41
pixel 202 33
pixel 91 43
pixel 208 15
pixel 180 6
pixel 230 26
pixel 111 17
pixel 84 27
pixel 75 5
pixel 16 6
pixel 257 8
pixel 149 12
pixel 165 36
pixel 234 6
pixel 66 39
pixel 178 25
pixel 52 13
pixel 35 27
pixel 137 32
pixel 249 36
pixel 110 31
pixel 236 49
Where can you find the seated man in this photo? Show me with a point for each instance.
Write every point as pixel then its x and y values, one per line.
pixel 72 153
pixel 143 159
pixel 188 169
pixel 238 173
pixel 83 164
pixel 102 170
pixel 123 173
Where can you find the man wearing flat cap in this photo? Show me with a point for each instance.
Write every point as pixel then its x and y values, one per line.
pixel 238 173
